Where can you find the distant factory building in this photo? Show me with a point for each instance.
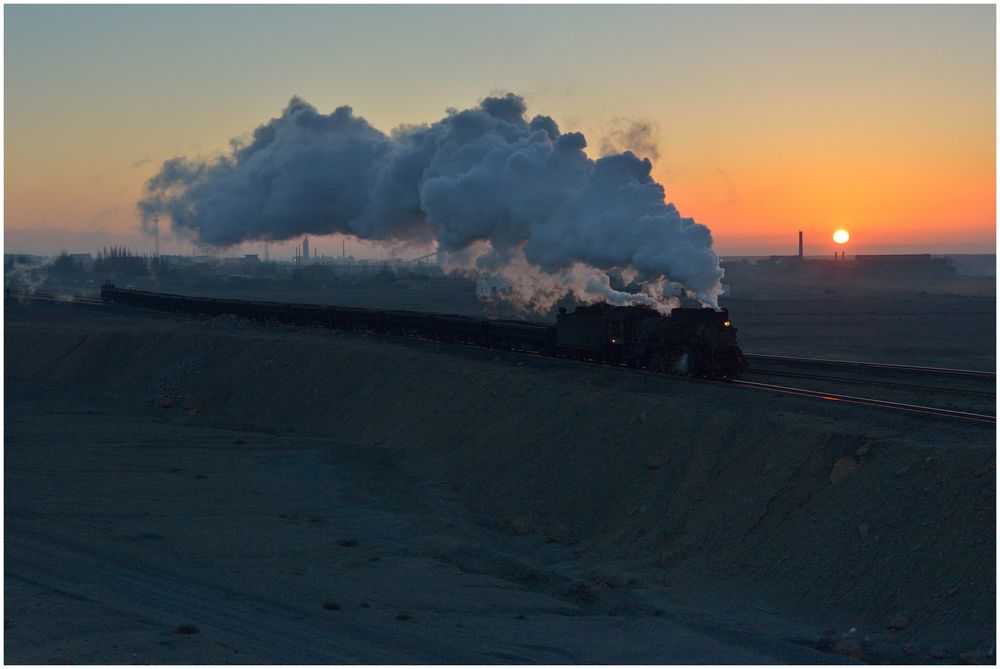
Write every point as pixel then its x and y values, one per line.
pixel 175 260
pixel 492 285
pixel 916 264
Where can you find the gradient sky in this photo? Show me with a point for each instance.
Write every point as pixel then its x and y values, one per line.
pixel 769 119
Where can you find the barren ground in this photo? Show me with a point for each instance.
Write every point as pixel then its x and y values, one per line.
pixel 307 496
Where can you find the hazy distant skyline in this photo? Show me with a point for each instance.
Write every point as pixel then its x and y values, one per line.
pixel 766 119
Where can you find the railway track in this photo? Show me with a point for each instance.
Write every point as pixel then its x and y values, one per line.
pixel 896 385
pixel 936 371
pixel 929 411
pixel 971 416
pixel 909 387
pixel 870 402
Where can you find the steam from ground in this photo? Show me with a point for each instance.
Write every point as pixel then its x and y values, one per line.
pixel 27 277
pixel 495 190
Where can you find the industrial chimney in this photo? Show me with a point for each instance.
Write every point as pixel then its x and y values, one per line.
pixel 800 245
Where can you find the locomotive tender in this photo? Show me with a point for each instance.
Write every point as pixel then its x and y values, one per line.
pixel 692 342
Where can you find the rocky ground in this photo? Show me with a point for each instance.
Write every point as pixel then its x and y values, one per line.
pixel 218 491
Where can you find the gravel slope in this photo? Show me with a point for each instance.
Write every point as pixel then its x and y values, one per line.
pixel 236 476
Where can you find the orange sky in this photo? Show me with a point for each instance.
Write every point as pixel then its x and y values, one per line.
pixel 768 120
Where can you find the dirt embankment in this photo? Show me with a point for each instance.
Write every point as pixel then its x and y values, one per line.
pixel 829 517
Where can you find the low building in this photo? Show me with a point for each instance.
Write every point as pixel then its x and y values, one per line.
pixel 922 265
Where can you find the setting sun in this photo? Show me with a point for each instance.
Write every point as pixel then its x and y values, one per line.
pixel 841 236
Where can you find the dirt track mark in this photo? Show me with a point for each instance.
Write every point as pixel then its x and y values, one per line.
pixel 262 630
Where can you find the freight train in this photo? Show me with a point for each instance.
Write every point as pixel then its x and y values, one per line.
pixel 690 342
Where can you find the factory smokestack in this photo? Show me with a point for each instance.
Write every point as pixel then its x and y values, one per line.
pixel 493 189
pixel 800 245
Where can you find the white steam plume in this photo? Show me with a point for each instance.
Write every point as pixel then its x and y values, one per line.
pixel 508 194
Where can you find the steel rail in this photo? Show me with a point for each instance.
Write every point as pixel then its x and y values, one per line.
pixel 868 382
pixel 868 401
pixel 803 392
pixel 944 371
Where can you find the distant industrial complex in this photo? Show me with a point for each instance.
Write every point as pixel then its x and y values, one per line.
pixel 309 270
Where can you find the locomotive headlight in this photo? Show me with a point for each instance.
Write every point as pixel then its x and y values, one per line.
pixel 614 341
pixel 726 324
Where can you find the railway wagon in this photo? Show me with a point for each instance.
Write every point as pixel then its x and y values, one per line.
pixel 693 342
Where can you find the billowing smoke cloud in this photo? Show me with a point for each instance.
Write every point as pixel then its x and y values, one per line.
pixel 497 191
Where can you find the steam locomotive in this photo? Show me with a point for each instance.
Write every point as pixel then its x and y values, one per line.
pixel 691 342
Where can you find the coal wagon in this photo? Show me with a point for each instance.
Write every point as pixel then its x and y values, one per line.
pixel 692 342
